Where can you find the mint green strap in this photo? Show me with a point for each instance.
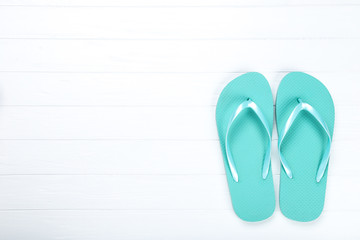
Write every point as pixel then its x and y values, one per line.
pixel 325 158
pixel 266 165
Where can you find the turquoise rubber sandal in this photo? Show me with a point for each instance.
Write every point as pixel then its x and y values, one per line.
pixel 244 117
pixel 305 122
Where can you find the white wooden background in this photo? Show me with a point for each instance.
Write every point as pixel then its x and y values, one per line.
pixel 107 126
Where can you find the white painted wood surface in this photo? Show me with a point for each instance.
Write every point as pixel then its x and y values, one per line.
pixel 107 114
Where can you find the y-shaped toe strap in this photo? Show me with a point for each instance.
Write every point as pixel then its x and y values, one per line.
pixel 266 164
pixel 325 158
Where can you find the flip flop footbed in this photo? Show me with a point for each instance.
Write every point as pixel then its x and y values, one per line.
pixel 252 196
pixel 302 197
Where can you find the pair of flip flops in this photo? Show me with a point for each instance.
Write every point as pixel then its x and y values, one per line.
pixel 305 123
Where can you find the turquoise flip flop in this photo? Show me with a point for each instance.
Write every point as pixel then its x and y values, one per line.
pixel 305 123
pixel 244 117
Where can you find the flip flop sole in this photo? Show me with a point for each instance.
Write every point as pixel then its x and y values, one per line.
pixel 253 197
pixel 302 197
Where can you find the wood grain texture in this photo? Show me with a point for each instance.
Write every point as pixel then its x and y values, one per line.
pixel 107 114
pixel 143 89
pixel 178 55
pixel 134 192
pixel 144 123
pixel 178 23
pixel 176 3
pixel 170 224
pixel 144 157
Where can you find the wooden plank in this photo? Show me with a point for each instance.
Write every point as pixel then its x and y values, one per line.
pixel 144 89
pixel 113 89
pixel 129 123
pixel 180 23
pixel 175 3
pixel 166 224
pixel 116 157
pixel 196 192
pixel 90 225
pixel 179 56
